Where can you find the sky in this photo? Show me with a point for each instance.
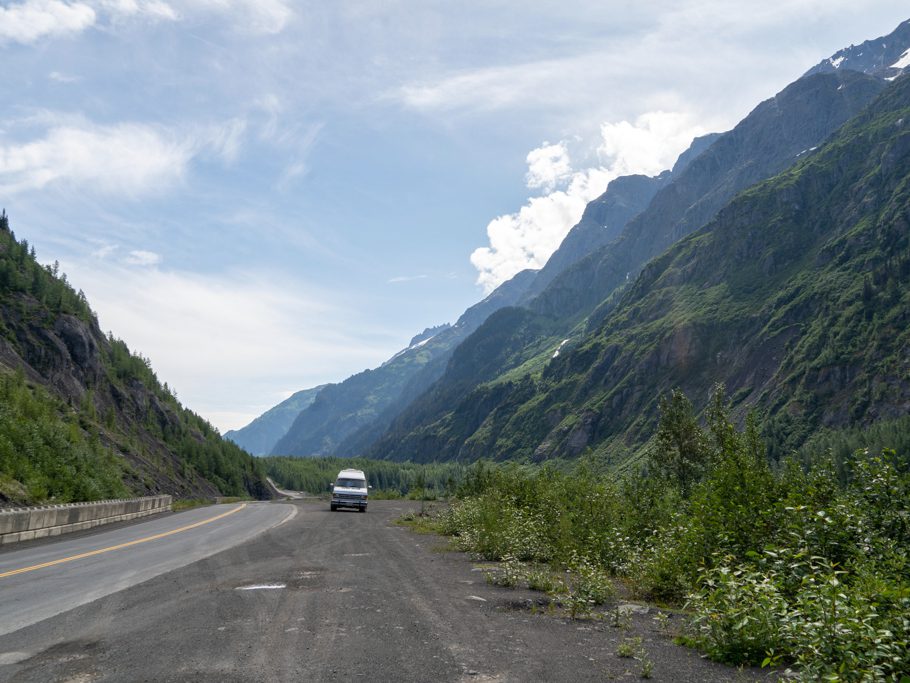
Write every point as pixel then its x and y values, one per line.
pixel 262 196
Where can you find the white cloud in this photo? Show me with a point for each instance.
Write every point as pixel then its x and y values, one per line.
pixel 528 238
pixel 406 278
pixel 140 257
pixel 649 145
pixel 104 251
pixel 154 9
pixel 219 336
pixel 224 140
pixel 252 16
pixel 62 78
pixel 129 159
pixel 542 83
pixel 31 20
pixel 548 165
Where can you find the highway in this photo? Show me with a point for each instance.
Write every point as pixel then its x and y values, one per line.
pixel 42 581
pixel 294 592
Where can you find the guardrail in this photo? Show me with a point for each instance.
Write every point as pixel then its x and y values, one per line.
pixel 24 524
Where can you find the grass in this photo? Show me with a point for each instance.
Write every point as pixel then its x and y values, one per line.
pixel 190 503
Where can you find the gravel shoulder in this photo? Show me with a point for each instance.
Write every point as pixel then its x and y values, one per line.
pixel 337 596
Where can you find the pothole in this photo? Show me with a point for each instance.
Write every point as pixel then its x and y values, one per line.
pixel 305 579
pixel 525 604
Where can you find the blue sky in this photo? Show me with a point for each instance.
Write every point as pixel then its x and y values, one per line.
pixel 265 195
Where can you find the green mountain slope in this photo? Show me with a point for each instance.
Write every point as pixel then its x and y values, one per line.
pixel 260 436
pixel 431 429
pixel 83 418
pixel 795 296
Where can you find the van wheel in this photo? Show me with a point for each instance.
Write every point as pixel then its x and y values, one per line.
pixel 334 507
pixel 363 509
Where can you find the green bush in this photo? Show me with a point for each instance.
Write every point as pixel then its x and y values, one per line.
pixel 588 586
pixel 739 611
pixel 45 455
pixel 806 565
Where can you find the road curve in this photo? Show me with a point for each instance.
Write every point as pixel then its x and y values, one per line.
pixel 39 582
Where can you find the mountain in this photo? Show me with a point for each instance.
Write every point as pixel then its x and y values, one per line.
pixel 261 435
pixel 886 57
pixel 796 296
pixel 777 134
pixel 368 400
pixel 83 418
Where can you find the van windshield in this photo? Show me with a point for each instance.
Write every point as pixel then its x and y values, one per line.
pixel 351 483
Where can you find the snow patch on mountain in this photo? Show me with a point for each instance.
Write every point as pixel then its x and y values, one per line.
pixel 903 62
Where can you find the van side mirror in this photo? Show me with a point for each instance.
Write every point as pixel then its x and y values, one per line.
pixel 369 487
pixel 331 487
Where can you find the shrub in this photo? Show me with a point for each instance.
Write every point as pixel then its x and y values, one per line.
pixel 738 613
pixel 808 565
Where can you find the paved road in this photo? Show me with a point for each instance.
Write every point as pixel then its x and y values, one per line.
pixel 294 495
pixel 42 581
pixel 331 597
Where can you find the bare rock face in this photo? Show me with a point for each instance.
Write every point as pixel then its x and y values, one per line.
pixel 81 345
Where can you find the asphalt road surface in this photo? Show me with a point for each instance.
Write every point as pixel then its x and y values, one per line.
pixel 317 596
pixel 43 580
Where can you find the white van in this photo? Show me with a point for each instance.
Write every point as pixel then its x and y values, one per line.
pixel 350 490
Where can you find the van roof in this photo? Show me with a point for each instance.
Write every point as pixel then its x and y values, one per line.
pixel 351 474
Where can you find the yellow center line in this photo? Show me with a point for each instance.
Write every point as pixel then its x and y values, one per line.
pixel 23 570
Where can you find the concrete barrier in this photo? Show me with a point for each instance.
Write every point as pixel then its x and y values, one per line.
pixel 24 524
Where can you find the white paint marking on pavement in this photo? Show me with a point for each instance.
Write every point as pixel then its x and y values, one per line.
pixel 289 517
pixel 477 597
pixel 13 657
pixel 261 587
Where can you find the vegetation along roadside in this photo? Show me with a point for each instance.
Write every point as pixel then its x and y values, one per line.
pixel 800 564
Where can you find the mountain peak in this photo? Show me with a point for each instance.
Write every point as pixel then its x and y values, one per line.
pixel 885 57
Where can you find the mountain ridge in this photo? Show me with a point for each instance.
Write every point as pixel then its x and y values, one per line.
pixel 261 435
pixel 339 411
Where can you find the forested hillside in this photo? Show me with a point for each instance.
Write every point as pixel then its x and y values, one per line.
pixel 83 418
